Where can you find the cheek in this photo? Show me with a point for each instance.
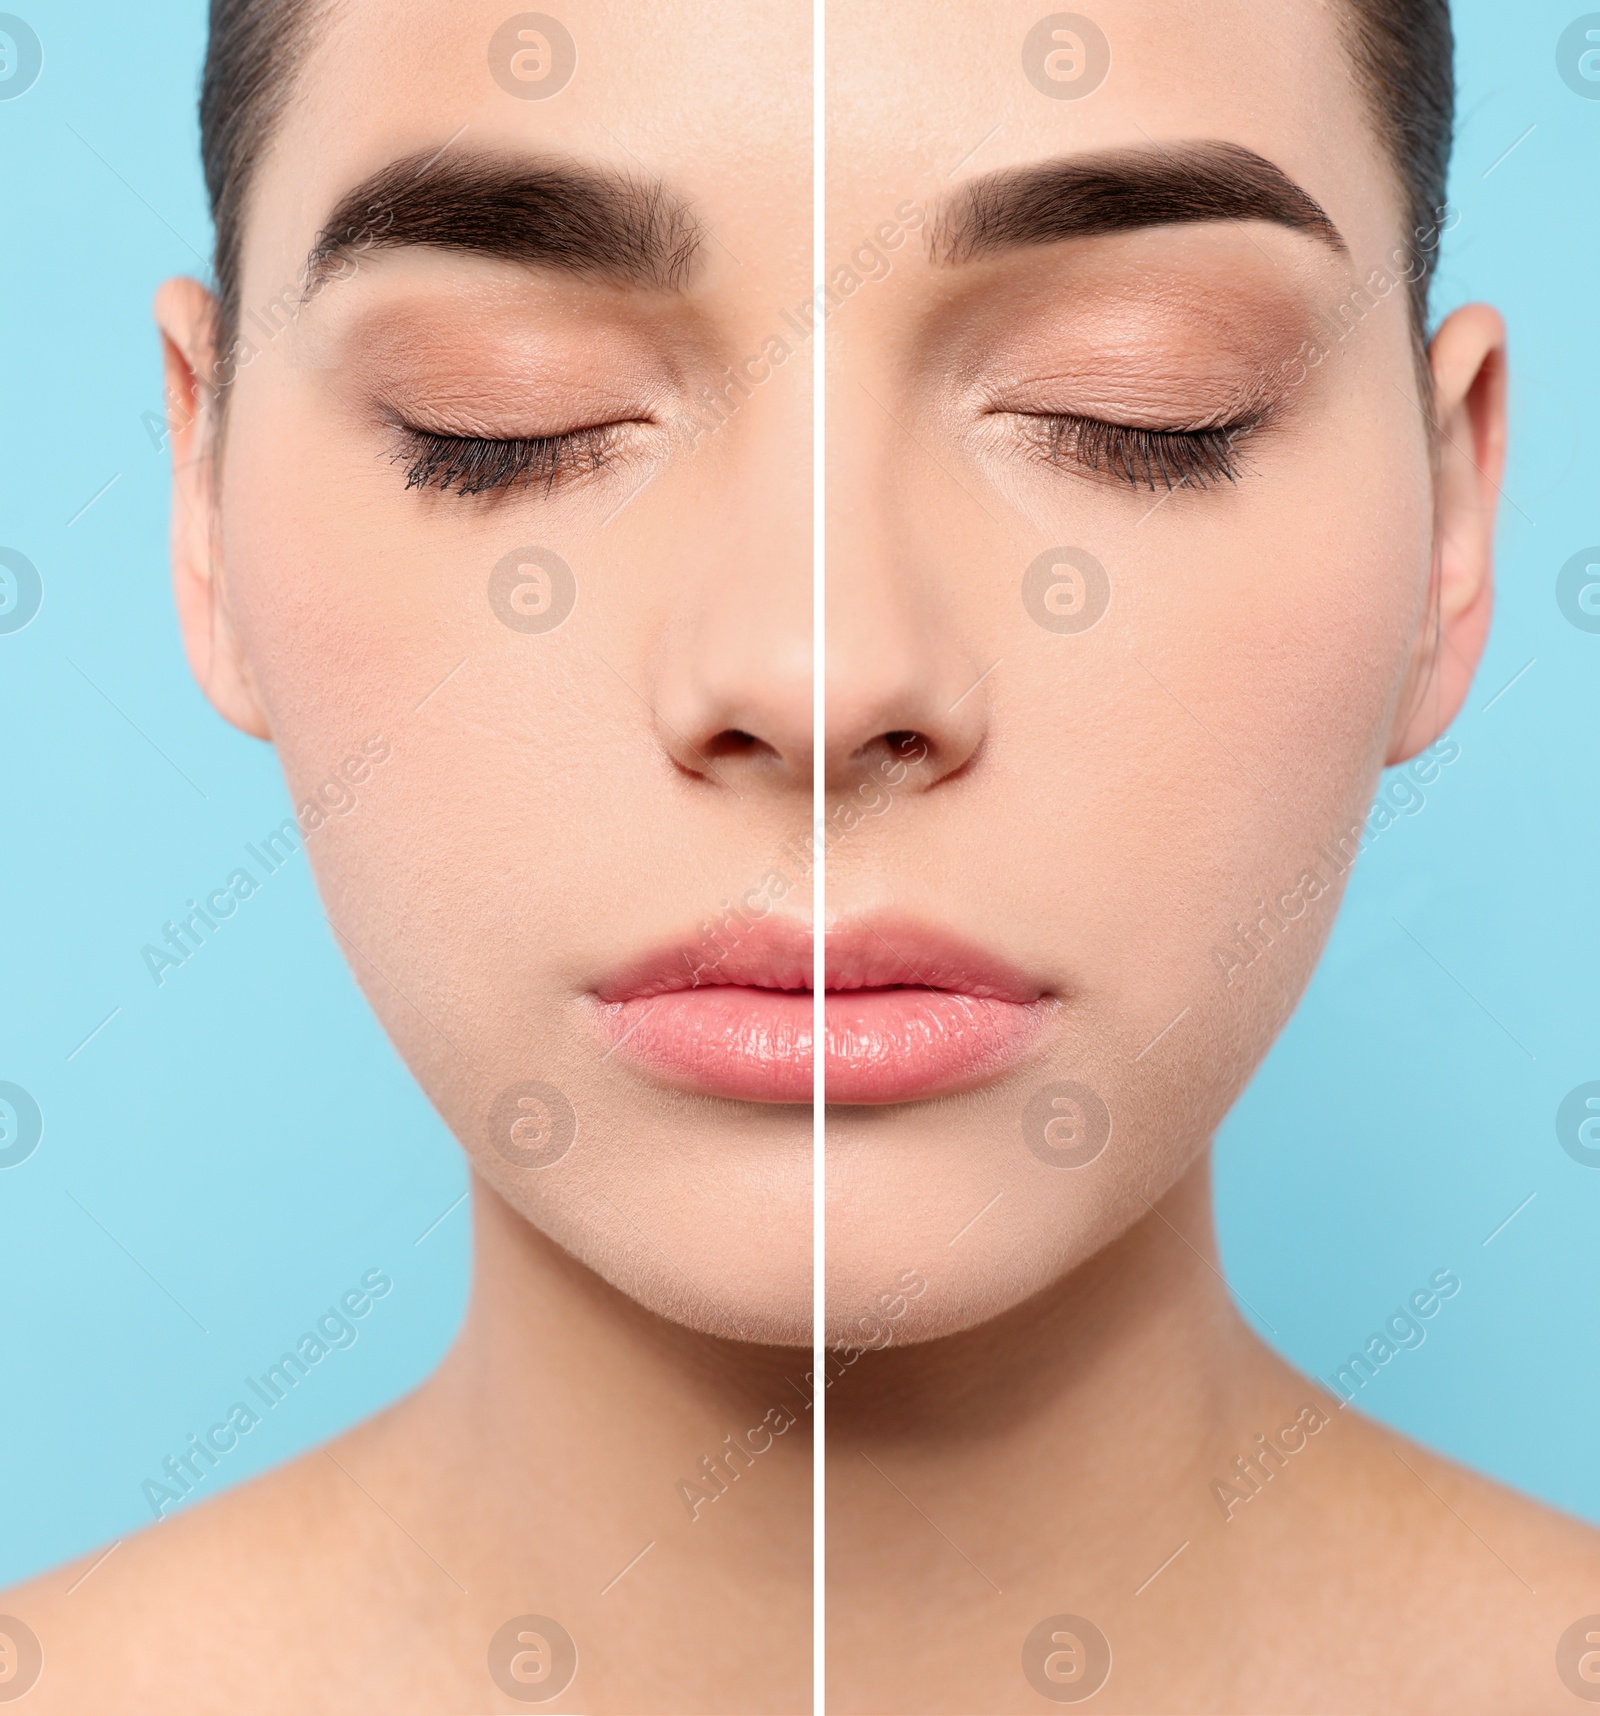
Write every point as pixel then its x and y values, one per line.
pixel 367 613
pixel 1198 750
pixel 1228 716
pixel 1287 647
pixel 1281 645
pixel 330 599
pixel 364 607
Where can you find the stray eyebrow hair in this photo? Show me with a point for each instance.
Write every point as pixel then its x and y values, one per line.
pixel 1119 190
pixel 570 216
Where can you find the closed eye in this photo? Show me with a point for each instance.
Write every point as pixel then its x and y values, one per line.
pixel 476 464
pixel 1143 458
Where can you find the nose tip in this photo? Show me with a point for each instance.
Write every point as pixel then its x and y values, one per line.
pixel 741 722
pixel 909 722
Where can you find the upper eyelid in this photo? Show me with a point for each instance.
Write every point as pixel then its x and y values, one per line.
pixel 398 418
pixel 1138 455
pixel 1232 426
pixel 1239 414
pixel 1166 399
pixel 446 461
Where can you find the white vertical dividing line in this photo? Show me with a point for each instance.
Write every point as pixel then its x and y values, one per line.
pixel 819 1492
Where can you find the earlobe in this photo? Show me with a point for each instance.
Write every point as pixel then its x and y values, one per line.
pixel 1467 361
pixel 184 313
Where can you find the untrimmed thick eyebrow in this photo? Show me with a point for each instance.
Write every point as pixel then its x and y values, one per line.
pixel 1119 190
pixel 570 216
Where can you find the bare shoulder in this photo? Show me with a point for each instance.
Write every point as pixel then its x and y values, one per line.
pixel 1530 1563
pixel 277 1594
pixel 158 1614
pixel 1492 1597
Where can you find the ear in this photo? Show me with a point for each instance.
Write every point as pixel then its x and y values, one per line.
pixel 1467 360
pixel 185 313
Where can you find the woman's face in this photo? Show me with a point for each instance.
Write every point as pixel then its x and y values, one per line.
pixel 562 809
pixel 1150 713
pixel 1102 704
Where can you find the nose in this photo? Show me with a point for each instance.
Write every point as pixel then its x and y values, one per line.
pixel 899 689
pixel 733 675
pixel 904 679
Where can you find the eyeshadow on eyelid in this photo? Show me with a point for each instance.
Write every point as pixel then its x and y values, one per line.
pixel 498 396
pixel 1246 326
pixel 496 387
pixel 1123 314
pixel 469 364
pixel 1103 368
pixel 1148 408
pixel 447 339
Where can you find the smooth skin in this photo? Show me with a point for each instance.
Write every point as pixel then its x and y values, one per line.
pixel 1061 1372
pixel 553 805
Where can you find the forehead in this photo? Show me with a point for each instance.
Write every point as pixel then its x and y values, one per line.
pixel 712 97
pixel 921 99
pixel 715 98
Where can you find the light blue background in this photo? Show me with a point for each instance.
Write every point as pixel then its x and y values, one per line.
pixel 233 1150
pixel 1410 1106
pixel 245 1131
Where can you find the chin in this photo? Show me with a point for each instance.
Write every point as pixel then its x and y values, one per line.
pixel 942 1217
pixel 759 1300
pixel 719 1247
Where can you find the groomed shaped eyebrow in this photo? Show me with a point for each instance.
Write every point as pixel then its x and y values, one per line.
pixel 1119 190
pixel 543 213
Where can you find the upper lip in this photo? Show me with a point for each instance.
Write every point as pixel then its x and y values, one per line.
pixel 882 951
pixel 772 952
pixel 867 951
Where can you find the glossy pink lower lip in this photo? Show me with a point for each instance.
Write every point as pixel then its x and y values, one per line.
pixel 883 1045
pixel 904 1045
pixel 910 1013
pixel 727 1040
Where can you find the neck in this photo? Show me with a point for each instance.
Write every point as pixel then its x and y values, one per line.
pixel 1050 1459
pixel 571 1429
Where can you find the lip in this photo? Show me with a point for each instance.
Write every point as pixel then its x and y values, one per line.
pixel 915 1012
pixel 911 1011
pixel 726 1012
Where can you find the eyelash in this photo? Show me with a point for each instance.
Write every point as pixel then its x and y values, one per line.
pixel 1179 458
pixel 475 464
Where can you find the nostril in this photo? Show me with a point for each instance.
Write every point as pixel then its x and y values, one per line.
pixel 735 742
pixel 903 745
